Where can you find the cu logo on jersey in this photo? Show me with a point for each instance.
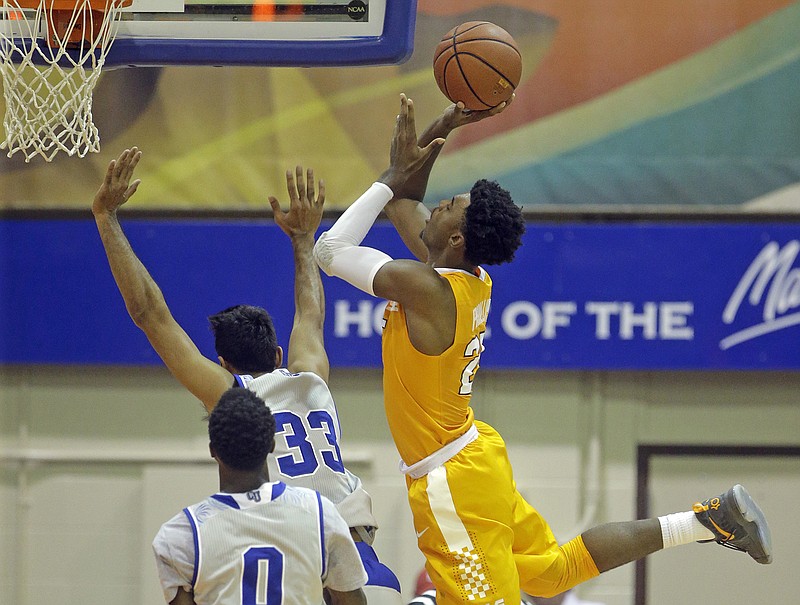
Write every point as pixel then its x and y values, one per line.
pixel 255 495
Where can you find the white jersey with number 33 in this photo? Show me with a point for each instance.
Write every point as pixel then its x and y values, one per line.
pixel 307 436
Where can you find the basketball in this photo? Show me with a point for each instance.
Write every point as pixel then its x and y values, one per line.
pixel 477 63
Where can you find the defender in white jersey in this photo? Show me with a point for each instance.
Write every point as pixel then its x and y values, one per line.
pixel 307 446
pixel 256 541
pixel 308 435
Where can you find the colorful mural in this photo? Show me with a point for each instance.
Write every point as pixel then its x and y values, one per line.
pixel 623 103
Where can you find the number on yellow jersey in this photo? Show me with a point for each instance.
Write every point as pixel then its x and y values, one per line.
pixel 472 351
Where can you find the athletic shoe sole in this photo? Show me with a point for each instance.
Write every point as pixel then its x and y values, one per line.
pixel 752 519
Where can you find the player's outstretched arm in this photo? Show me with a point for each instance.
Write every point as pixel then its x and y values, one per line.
pixel 415 285
pixel 306 343
pixel 143 298
pixel 405 209
pixel 338 251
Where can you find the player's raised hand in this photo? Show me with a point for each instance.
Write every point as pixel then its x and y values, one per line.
pixel 305 204
pixel 405 155
pixel 457 115
pixel 117 187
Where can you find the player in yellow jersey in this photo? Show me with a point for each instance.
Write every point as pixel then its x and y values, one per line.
pixel 482 542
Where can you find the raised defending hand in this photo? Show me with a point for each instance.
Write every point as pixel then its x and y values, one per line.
pixel 406 156
pixel 117 187
pixel 305 210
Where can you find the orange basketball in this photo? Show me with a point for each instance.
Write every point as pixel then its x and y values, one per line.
pixel 478 63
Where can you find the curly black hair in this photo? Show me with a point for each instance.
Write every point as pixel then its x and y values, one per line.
pixel 244 336
pixel 241 429
pixel 493 225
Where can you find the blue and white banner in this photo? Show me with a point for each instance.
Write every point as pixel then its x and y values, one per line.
pixel 578 296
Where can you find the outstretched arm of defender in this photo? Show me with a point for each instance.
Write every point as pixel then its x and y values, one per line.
pixel 143 298
pixel 306 343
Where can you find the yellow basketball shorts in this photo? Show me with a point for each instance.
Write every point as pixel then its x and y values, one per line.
pixel 481 540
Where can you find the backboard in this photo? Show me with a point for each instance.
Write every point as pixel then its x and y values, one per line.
pixel 292 33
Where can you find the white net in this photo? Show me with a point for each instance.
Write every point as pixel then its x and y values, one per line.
pixel 49 72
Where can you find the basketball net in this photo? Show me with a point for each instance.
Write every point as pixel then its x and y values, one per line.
pixel 52 54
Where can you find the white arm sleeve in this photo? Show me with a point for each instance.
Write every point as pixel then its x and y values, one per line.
pixel 338 252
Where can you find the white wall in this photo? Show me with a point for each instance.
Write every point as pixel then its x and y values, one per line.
pixel 78 532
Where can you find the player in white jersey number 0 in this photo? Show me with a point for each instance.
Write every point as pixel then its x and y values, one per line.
pixel 255 541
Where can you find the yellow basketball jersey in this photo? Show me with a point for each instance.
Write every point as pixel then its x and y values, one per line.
pixel 427 397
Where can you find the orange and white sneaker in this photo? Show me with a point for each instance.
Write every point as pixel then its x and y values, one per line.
pixel 737 522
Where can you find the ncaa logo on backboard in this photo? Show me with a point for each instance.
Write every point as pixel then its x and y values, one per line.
pixel 356 10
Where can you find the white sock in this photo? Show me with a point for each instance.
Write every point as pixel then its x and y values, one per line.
pixel 683 528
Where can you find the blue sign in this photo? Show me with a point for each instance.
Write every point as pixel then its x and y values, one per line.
pixel 578 296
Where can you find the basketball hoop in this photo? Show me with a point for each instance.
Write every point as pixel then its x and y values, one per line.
pixel 52 54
